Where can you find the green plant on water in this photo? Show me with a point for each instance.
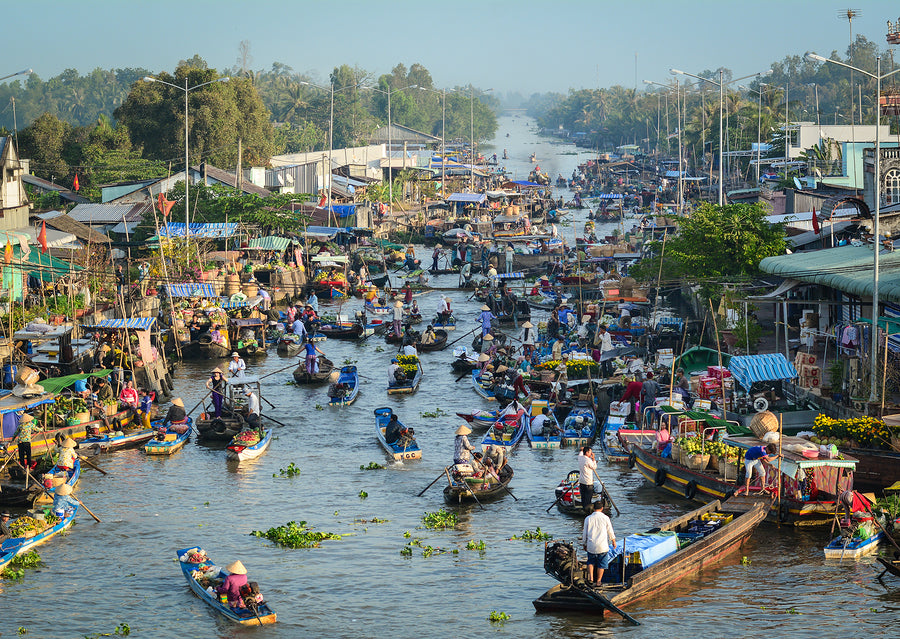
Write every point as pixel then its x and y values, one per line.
pixel 320 407
pixel 29 559
pixel 348 361
pixel 372 466
pixel 433 414
pixel 440 519
pixel 497 616
pixel 379 349
pixel 374 520
pixel 363 494
pixel 536 535
pixel 873 609
pixel 476 545
pixel 206 503
pixel 295 535
pixel 793 611
pixel 745 560
pixel 427 550
pixel 407 534
pixel 22 630
pixel 123 629
pixel 406 551
pixel 291 471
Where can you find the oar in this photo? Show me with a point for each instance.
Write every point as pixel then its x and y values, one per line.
pixel 432 483
pixel 274 420
pixel 606 492
pixel 463 337
pixel 471 489
pixel 571 489
pixel 593 594
pixel 280 370
pixel 96 518
pixel 199 403
pixel 92 464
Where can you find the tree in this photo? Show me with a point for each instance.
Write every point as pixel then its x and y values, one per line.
pixel 44 142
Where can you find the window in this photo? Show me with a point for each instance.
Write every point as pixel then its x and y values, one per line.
pixel 892 186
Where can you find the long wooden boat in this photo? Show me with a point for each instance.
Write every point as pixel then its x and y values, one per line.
pixel 449 325
pixel 463 486
pixel 239 452
pixel 170 442
pixel 395 451
pixel 538 440
pixel 207 348
pixel 10 548
pixel 46 439
pixel 74 475
pixel 890 565
pixel 853 547
pixel 349 377
pixel 579 433
pixel 483 390
pixel 480 418
pixel 439 343
pixel 289 345
pixel 326 366
pixel 19 496
pixel 498 434
pixel 206 571
pixel 409 386
pixel 664 559
pixel 343 330
pixel 109 442
pixel 568 496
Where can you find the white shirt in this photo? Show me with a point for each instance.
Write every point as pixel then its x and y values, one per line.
pixel 298 328
pixel 587 467
pixel 253 404
pixel 442 306
pixel 409 349
pixel 391 370
pixel 623 310
pixel 236 368
pixel 605 342
pixel 537 424
pixel 398 313
pixel 597 533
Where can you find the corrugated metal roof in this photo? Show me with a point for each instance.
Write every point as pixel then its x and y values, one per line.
pixel 846 268
pixel 108 213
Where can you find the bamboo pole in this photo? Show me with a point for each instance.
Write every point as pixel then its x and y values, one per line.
pixel 659 275
pixel 719 352
pixel 884 372
pixel 778 479
pixel 165 271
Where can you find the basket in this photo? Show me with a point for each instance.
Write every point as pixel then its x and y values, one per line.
pixel 728 471
pixel 764 422
pixel 110 409
pixel 696 461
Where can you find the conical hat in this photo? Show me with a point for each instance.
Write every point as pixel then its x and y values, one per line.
pixel 69 443
pixel 488 337
pixel 65 489
pixel 178 402
pixel 463 430
pixel 236 568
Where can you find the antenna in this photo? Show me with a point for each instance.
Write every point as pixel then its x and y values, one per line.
pixel 848 15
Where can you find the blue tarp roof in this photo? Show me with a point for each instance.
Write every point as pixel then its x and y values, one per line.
pixel 526 183
pixel 468 198
pixel 345 210
pixel 191 289
pixel 218 230
pixel 136 323
pixel 749 369
pixel 611 196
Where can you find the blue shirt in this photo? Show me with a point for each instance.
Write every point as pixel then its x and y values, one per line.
pixel 63 502
pixel 80 386
pixel 757 452
pixel 146 404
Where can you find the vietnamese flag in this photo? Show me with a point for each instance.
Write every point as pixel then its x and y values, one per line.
pixel 322 201
pixel 815 222
pixel 42 237
pixel 75 183
pixel 8 252
pixel 165 206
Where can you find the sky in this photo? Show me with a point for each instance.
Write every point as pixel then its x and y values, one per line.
pixel 524 45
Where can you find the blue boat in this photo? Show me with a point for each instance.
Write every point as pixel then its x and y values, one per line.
pixel 237 451
pixel 205 571
pixel 399 453
pixel 107 442
pixel 508 430
pixel 170 442
pixel 579 433
pixel 538 440
pixel 410 385
pixel 480 388
pixel 74 475
pixel 449 325
pixel 19 545
pixel 610 443
pixel 864 542
pixel 349 377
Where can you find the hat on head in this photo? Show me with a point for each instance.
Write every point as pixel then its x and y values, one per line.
pixel 394 360
pixel 236 568
pixel 5 514
pixel 485 307
pixel 398 304
pixel 65 489
pixel 69 443
pixel 484 357
pixel 248 391
pixel 488 337
pixel 234 354
pixel 527 325
pixel 463 430
pixel 438 246
pixel 217 370
pixel 26 418
pixel 585 318
pixel 502 368
pixel 178 402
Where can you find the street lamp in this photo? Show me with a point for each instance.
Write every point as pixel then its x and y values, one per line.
pixel 472 124
pixel 330 132
pixel 680 160
pixel 878 77
pixel 721 84
pixel 187 168
pixel 15 126
pixel 443 93
pixel 389 93
pixel 758 125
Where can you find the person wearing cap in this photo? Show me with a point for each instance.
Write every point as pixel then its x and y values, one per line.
pixel 216 385
pixel 461 445
pixel 176 417
pixel 527 338
pixel 395 372
pixel 5 532
pixel 487 345
pixel 398 318
pixel 27 427
pixel 67 455
pixel 509 254
pixel 252 408
pixel 63 501
pixel 485 318
pixel 483 361
pixel 231 587
pixel 236 366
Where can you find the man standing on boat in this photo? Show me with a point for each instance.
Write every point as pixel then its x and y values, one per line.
pixel 587 464
pixel 236 366
pixel 595 538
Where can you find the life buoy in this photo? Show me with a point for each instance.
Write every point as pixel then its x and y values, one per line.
pixel 760 404
pixel 632 460
pixel 690 490
pixel 661 476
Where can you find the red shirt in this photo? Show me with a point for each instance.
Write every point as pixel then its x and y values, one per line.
pixel 632 391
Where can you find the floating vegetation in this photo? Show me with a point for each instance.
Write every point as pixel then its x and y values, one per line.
pixel 536 535
pixel 295 535
pixel 374 520
pixel 363 494
pixel 291 471
pixel 427 550
pixel 372 466
pixel 440 519
pixel 476 545
pixel 15 570
pixel 497 616
pixel 433 414
pixel 320 407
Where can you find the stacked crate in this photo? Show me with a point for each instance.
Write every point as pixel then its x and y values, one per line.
pixel 809 375
pixel 710 386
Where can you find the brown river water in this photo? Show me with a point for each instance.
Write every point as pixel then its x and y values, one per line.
pixel 123 570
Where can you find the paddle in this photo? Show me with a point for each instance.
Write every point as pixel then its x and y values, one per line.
pixel 571 489
pixel 432 483
pixel 92 465
pixel 96 518
pixel 463 337
pixel 199 403
pixel 274 420
pixel 447 473
pixel 606 492
pixel 609 605
pixel 280 370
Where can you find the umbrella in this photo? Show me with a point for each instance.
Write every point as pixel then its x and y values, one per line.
pixel 457 232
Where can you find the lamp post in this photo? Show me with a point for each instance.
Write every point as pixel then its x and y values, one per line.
pixel 330 132
pixel 680 159
pixel 472 124
pixel 389 93
pixel 187 168
pixel 721 84
pixel 878 77
pixel 758 125
pixel 443 93
pixel 15 126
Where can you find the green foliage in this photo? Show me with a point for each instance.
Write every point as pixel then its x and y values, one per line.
pixel 295 535
pixel 427 550
pixel 291 471
pixel 363 494
pixel 372 466
pixel 476 545
pixel 536 535
pixel 496 616
pixel 433 414
pixel 29 559
pixel 218 203
pixel 440 519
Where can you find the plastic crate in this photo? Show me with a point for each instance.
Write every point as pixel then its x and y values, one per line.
pixel 720 517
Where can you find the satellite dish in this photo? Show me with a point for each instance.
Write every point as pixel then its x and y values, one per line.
pixel 798 184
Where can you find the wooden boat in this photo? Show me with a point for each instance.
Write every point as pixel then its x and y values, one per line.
pixel 890 565
pixel 207 348
pixel 579 433
pixel 168 443
pixel 482 418
pixel 663 560
pixel 392 338
pixel 326 366
pixel 232 418
pixel 377 309
pixel 485 391
pixel 449 325
pixel 238 451
pixel 10 548
pixel 74 475
pixel 395 451
pixel 349 377
pixel 343 330
pixel 568 496
pixel 200 574
pixel 463 486
pixel 464 363
pixel 507 431
pixel 18 496
pixel 289 345
pixel 538 440
pixel 109 442
pixel 853 547
pixel 410 385
pixel 439 343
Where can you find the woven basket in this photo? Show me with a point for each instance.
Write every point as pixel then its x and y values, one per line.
pixel 696 462
pixel 764 422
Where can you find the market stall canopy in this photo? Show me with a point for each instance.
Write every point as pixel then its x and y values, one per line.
pixel 55 239
pixel 611 196
pixel 270 243
pixel 191 289
pixel 457 233
pixel 43 266
pixel 468 198
pixel 750 369
pixel 323 233
pixel 210 230
pixel 508 219
pixel 497 195
pixel 131 323
pixel 57 384
pixel 331 258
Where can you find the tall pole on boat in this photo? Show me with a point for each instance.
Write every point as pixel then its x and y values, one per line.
pixel 780 448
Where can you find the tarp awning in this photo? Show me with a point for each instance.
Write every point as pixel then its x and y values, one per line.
pixel 57 384
pixel 526 183
pixel 270 243
pixel 191 289
pixel 468 198
pixel 210 230
pixel 611 196
pixel 749 369
pixel 134 323
pixel 783 288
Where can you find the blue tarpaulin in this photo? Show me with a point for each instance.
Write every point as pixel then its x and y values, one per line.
pixel 217 230
pixel 651 547
pixel 191 289
pixel 468 198
pixel 611 196
pixel 749 369
pixel 136 323
pixel 344 210
pixel 526 183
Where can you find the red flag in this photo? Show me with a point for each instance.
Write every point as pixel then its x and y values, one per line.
pixel 815 221
pixel 8 252
pixel 75 183
pixel 42 237
pixel 321 204
pixel 165 206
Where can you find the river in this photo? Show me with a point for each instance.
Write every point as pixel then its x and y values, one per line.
pixel 123 570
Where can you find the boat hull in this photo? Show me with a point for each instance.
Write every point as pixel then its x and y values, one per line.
pixel 157 447
pixel 397 453
pixel 11 548
pixel 855 549
pixel 350 376
pixel 250 452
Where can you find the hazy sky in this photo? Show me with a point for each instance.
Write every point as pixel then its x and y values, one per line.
pixel 522 45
